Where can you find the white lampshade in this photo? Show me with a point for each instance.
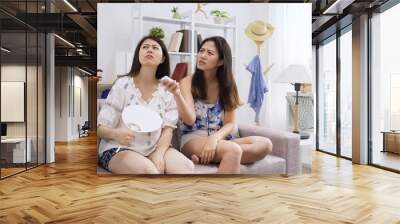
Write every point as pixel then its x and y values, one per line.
pixel 294 74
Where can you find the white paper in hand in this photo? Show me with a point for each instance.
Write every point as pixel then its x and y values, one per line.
pixel 146 125
pixel 165 80
pixel 141 119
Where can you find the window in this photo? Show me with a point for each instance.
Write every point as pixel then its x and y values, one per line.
pixel 22 65
pixel 327 97
pixel 346 94
pixel 385 87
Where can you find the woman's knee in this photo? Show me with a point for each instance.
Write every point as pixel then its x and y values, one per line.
pixel 178 163
pixel 150 168
pixel 267 145
pixel 262 146
pixel 188 166
pixel 128 164
pixel 146 167
pixel 232 150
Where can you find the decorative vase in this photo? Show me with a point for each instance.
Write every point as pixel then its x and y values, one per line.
pixel 218 20
pixel 176 15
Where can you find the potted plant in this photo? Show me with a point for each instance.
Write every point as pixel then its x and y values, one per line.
pixel 219 16
pixel 175 12
pixel 157 32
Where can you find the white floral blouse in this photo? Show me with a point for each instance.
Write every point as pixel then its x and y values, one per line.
pixel 124 93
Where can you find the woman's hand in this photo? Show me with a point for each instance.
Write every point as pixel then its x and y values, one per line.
pixel 172 86
pixel 158 159
pixel 208 153
pixel 124 136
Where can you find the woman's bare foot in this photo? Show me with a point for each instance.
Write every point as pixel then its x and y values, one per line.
pixel 195 159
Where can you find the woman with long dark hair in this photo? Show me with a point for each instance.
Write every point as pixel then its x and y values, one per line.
pixel 141 86
pixel 206 104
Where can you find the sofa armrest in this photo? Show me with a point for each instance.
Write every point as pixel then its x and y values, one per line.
pixel 285 145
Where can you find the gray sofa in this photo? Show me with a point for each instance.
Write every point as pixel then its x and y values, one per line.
pixel 284 159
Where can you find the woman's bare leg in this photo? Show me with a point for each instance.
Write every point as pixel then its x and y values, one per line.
pixel 254 148
pixel 129 162
pixel 177 163
pixel 228 154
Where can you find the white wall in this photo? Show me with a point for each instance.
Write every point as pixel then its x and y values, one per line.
pixel 314 87
pixel 12 73
pixel 114 34
pixel 80 83
pixel 290 43
pixel 67 80
pixel 61 103
pixel 33 126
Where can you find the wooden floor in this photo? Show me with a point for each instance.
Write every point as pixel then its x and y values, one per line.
pixel 387 159
pixel 70 191
pixel 10 171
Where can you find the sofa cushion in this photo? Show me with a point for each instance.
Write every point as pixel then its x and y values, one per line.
pixel 269 165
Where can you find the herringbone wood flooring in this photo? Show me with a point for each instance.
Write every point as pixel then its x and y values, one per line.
pixel 70 191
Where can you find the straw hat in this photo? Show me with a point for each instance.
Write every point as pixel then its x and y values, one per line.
pixel 259 30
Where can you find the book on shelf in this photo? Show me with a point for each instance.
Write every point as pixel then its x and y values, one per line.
pixel 185 45
pixel 189 69
pixel 180 71
pixel 181 41
pixel 199 40
pixel 175 42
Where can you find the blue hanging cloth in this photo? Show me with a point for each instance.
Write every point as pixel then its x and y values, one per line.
pixel 258 86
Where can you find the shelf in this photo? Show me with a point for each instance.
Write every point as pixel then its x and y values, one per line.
pixel 183 21
pixel 189 22
pixel 233 56
pixel 214 26
pixel 179 53
pixel 166 20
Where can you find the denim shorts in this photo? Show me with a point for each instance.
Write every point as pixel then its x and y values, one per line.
pixel 105 158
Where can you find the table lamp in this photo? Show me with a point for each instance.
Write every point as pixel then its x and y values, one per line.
pixel 296 75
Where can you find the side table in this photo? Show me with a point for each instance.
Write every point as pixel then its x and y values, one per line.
pixel 307 148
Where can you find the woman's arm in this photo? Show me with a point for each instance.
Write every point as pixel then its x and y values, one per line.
pixel 227 128
pixel 157 157
pixel 184 102
pixel 106 133
pixel 209 148
pixel 120 135
pixel 164 141
pixel 110 114
pixel 184 99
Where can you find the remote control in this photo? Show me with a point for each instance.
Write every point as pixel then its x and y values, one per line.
pixel 164 80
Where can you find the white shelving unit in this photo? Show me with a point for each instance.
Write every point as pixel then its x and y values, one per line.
pixel 190 23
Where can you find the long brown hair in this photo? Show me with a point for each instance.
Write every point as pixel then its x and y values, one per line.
pixel 228 94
